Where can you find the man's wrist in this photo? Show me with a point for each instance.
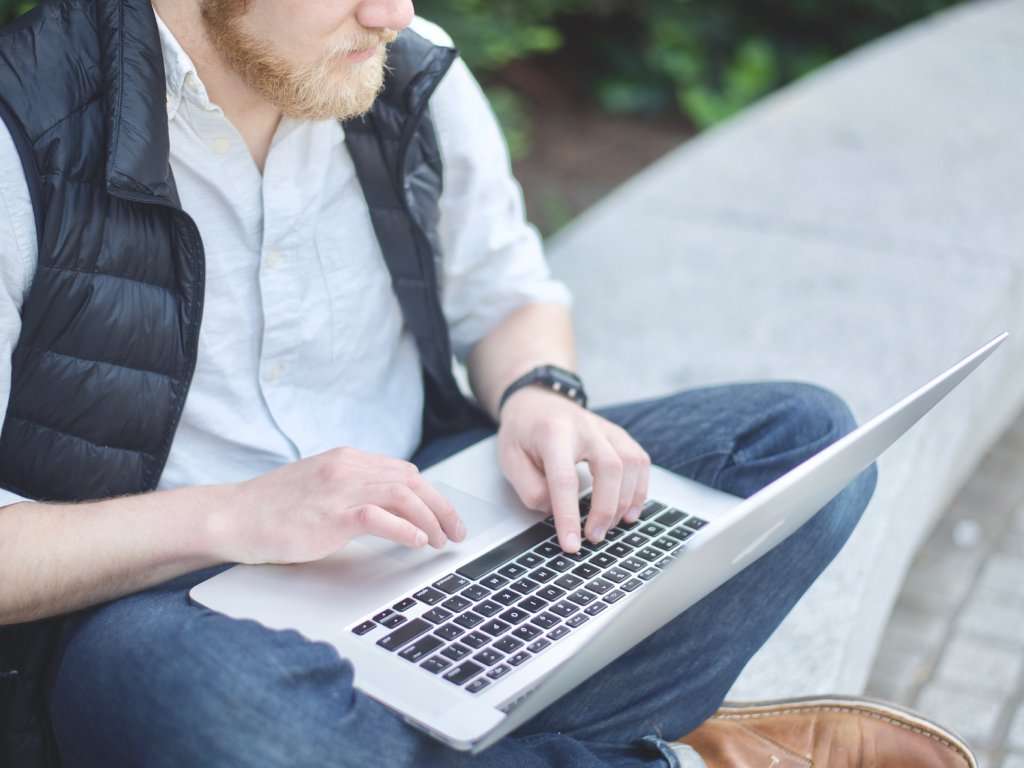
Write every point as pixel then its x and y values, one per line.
pixel 551 378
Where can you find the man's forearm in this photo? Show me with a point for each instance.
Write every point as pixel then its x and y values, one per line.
pixel 56 558
pixel 533 335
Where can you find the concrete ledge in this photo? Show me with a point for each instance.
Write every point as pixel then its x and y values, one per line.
pixel 861 229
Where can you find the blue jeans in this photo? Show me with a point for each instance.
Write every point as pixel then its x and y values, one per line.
pixel 152 679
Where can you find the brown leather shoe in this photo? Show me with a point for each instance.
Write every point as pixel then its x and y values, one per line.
pixel 825 732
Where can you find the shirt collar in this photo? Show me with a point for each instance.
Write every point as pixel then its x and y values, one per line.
pixel 181 75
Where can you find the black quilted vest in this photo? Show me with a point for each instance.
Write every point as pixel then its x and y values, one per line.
pixel 111 323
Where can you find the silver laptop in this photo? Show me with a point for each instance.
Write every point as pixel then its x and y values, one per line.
pixel 470 642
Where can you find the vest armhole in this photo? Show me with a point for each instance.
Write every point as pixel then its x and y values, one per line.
pixel 26 154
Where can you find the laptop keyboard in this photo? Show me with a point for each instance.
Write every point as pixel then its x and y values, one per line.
pixel 494 614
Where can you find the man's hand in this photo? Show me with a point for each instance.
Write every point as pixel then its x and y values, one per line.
pixel 542 436
pixel 310 508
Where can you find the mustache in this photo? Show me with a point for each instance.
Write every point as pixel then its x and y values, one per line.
pixel 361 41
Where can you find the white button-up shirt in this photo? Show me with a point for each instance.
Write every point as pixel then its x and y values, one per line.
pixel 303 345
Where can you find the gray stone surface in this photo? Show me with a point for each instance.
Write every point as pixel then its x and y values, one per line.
pixel 860 229
pixel 980 666
pixel 974 716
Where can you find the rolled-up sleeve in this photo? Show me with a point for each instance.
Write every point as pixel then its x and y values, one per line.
pixel 18 255
pixel 493 258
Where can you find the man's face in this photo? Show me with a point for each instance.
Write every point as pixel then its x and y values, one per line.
pixel 313 59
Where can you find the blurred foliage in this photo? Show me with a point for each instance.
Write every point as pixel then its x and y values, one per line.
pixel 704 58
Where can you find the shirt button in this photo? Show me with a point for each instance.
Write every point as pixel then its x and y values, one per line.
pixel 274 259
pixel 274 373
pixel 221 145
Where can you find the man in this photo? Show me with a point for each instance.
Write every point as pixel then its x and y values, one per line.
pixel 234 273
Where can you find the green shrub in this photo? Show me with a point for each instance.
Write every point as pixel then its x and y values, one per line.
pixel 705 58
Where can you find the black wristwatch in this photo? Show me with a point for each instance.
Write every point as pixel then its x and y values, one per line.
pixel 552 377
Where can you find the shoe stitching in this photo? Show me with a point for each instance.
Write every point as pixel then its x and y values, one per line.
pixel 851 710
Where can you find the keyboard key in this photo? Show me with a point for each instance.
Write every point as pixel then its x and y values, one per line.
pixel 547 549
pixel 456 603
pixel 590 546
pixel 478 685
pixel 666 544
pixel 614 534
pixel 507 644
pixel 499 671
pixel 530 560
pixel 582 597
pixel 494 581
pixel 632 564
pixel 457 651
pixel 437 615
pixel 488 656
pixel 616 575
pixel 506 596
pixel 518 659
pixel 404 604
pixel 451 583
pixel 421 648
pixel 502 553
pixel 550 593
pixel 614 597
pixel 526 632
pixel 635 540
pixel 429 595
pixel 468 620
pixel 383 615
pixel 628 526
pixel 594 608
pixel 362 629
pixel 543 575
pixel 576 557
pixel 651 508
pixel 558 633
pixel 650 554
pixel 494 627
pixel 665 562
pixel 524 586
pixel 564 609
pixel 618 549
pixel 436 664
pixel 476 640
pixel 696 523
pixel 648 573
pixel 600 586
pixel 408 631
pixel 586 570
pixel 449 631
pixel 680 533
pixel 568 581
pixel 463 672
pixel 512 571
pixel 533 604
pixel 578 619
pixel 559 563
pixel 487 608
pixel 602 560
pixel 632 584
pixel 393 620
pixel 475 592
pixel 538 646
pixel 544 620
pixel 652 530
pixel 670 518
pixel 514 616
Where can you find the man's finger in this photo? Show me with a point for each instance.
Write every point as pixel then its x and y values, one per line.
pixel 606 469
pixel 527 480
pixel 443 510
pixel 559 463
pixel 636 470
pixel 397 498
pixel 377 521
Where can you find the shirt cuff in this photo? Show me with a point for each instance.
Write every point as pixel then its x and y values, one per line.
pixel 6 498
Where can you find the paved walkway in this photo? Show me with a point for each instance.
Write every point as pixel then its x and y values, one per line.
pixel 954 647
